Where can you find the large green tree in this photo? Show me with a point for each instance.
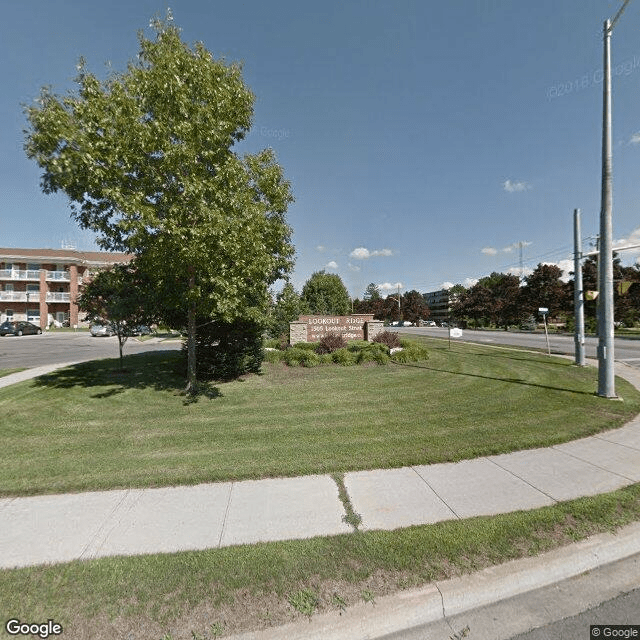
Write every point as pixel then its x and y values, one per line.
pixel 325 294
pixel 146 158
pixel 544 288
pixel 414 307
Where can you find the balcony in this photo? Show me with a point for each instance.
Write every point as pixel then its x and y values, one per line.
pixel 34 296
pixel 55 296
pixel 19 296
pixel 59 276
pixel 19 274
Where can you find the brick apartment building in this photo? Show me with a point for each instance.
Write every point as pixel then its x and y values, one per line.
pixel 41 285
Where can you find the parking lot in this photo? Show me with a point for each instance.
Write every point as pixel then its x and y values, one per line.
pixel 50 348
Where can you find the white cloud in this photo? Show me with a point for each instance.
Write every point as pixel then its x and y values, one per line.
pixel 320 248
pixel 353 267
pixel 632 239
pixel 331 265
pixel 491 251
pixel 388 286
pixel 467 283
pixel 515 245
pixel 362 253
pixel 515 271
pixel 635 138
pixel 567 268
pixel 515 186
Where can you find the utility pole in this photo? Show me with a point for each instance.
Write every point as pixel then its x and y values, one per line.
pixel 521 263
pixel 578 293
pixel 606 374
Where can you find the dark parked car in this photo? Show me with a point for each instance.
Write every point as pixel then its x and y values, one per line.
pixel 19 328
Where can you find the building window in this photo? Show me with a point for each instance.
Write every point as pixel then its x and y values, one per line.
pixel 9 313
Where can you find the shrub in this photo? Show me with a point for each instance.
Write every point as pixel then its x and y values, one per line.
pixel 357 345
pixel 390 338
pixel 274 356
pixel 373 353
pixel 412 351
pixel 272 343
pixel 344 357
pixel 331 342
pixel 226 350
pixel 305 346
pixel 310 359
pixel 293 356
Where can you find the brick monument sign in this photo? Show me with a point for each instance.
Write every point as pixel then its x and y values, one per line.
pixel 360 326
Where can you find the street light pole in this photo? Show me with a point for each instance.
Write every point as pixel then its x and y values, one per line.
pixel 606 375
pixel 578 293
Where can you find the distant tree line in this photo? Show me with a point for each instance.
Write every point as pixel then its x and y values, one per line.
pixel 499 300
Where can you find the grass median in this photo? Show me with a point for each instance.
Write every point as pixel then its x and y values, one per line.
pixel 92 426
pixel 202 595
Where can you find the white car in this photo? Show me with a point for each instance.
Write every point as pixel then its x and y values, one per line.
pixel 102 330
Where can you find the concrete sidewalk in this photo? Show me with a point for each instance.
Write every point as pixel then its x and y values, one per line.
pixel 61 528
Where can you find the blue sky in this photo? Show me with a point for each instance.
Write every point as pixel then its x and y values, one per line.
pixel 424 140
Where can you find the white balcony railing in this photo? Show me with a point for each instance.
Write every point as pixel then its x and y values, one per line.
pixel 65 276
pixel 19 274
pixel 19 296
pixel 34 296
pixel 56 296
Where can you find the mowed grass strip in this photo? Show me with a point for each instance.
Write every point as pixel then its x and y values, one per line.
pixel 185 595
pixel 8 372
pixel 92 426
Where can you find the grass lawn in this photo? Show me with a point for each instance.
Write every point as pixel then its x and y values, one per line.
pixel 198 595
pixel 91 426
pixel 6 372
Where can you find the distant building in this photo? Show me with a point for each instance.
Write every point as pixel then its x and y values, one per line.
pixel 439 303
pixel 42 285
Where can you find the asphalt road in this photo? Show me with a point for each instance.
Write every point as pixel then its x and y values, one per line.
pixel 626 350
pixel 621 611
pixel 51 348
pixel 607 595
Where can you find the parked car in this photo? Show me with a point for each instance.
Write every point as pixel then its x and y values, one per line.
pixel 19 328
pixel 143 330
pixel 139 330
pixel 102 330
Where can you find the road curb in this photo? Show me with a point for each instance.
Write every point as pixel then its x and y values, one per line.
pixel 441 600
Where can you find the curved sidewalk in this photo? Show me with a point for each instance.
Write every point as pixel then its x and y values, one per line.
pixel 61 528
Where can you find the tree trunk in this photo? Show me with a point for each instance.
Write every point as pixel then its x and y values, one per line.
pixel 192 382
